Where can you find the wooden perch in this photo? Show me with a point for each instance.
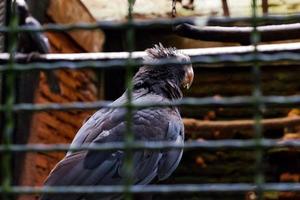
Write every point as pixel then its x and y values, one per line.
pixel 239 34
pixel 208 129
pixel 265 6
pixel 225 7
pixel 240 124
pixel 104 56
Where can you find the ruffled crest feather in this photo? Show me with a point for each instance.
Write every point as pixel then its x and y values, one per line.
pixel 159 51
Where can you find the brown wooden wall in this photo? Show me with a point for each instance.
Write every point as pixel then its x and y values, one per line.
pixel 57 127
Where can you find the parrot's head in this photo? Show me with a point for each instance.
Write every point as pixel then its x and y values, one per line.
pixel 182 72
pixel 167 79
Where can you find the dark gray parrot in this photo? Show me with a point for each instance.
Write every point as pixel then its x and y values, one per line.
pixel 151 84
pixel 33 43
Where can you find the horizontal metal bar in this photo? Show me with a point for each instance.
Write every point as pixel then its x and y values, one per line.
pixel 60 106
pixel 207 144
pixel 114 25
pixel 242 56
pixel 238 101
pixel 137 189
pixel 150 23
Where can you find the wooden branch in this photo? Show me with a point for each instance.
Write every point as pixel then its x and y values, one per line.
pixel 240 124
pixel 265 6
pixel 226 12
pixel 207 129
pixel 239 34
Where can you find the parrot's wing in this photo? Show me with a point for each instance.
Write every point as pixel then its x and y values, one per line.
pixel 171 158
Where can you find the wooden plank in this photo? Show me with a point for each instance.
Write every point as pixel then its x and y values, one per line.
pixel 56 127
pixel 227 129
pixel 73 11
pixel 215 51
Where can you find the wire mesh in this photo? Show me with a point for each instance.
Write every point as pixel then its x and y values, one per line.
pixel 8 114
pixel 129 137
pixel 253 57
pixel 258 106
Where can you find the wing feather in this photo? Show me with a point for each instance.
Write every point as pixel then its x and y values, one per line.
pixel 170 159
pixel 105 168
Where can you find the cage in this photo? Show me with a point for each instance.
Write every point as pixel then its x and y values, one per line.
pixel 241 114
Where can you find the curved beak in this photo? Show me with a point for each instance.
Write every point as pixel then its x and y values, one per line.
pixel 188 77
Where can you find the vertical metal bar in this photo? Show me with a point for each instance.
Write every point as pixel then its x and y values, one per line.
pixel 258 105
pixel 2 49
pixel 128 163
pixel 2 23
pixel 9 103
